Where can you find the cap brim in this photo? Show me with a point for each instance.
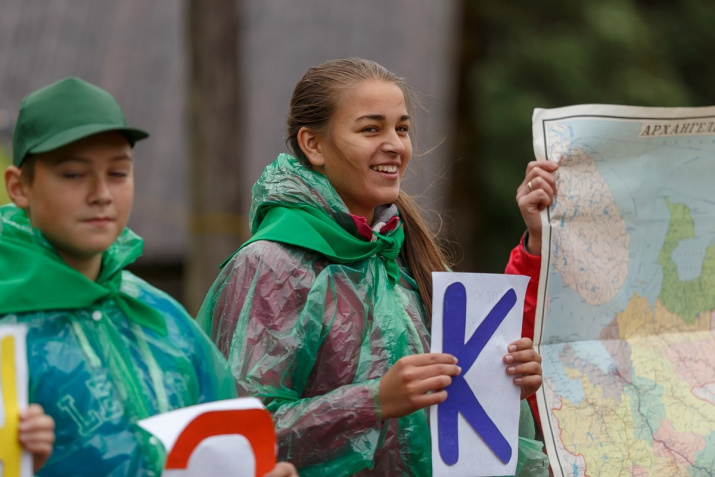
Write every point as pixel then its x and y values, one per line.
pixel 81 132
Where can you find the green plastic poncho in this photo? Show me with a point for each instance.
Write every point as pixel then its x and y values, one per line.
pixel 102 354
pixel 312 333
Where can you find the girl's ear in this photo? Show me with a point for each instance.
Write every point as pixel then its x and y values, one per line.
pixel 16 187
pixel 311 145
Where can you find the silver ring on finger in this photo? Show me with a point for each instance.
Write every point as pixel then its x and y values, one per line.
pixel 528 184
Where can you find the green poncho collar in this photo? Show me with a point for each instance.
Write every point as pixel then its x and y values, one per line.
pixel 313 229
pixel 297 206
pixel 34 278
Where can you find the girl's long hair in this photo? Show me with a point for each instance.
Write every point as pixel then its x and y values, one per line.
pixel 422 251
pixel 315 99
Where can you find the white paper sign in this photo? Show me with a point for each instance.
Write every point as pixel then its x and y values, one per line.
pixel 234 437
pixel 475 317
pixel 14 462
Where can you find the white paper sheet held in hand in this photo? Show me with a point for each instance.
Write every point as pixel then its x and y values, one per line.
pixel 234 437
pixel 475 317
pixel 14 462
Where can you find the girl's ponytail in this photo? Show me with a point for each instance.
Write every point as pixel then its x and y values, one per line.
pixel 421 250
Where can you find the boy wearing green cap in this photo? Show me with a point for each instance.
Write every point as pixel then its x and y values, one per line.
pixel 104 348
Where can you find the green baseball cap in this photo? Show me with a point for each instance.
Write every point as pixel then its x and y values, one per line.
pixel 63 112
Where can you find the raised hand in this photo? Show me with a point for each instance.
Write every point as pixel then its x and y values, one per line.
pixel 536 192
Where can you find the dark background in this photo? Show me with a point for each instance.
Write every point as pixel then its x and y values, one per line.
pixel 211 79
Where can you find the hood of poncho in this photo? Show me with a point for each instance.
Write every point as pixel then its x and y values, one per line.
pixel 33 277
pixel 288 183
pixel 308 213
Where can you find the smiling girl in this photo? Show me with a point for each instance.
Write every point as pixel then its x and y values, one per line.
pixel 324 313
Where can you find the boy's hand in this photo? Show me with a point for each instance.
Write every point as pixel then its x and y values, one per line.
pixel 283 469
pixel 524 362
pixel 36 434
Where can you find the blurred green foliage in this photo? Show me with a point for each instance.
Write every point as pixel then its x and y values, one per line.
pixel 523 54
pixel 4 162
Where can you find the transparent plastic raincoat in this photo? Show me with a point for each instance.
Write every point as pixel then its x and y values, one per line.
pixel 95 371
pixel 312 338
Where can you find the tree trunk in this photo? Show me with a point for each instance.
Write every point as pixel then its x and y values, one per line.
pixel 216 224
pixel 465 200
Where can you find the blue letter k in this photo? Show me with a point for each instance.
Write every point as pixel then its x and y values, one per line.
pixel 460 397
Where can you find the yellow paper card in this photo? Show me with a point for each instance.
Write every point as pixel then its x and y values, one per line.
pixel 13 399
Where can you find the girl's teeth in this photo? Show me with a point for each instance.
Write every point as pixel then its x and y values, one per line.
pixel 384 168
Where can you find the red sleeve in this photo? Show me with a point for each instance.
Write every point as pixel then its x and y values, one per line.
pixel 522 262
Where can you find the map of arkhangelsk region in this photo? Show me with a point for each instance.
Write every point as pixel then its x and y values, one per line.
pixel 627 291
